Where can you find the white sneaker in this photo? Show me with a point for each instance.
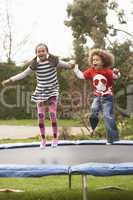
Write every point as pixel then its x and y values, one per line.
pixel 108 143
pixel 54 143
pixel 43 144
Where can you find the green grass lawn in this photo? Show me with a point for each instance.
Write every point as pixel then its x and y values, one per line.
pixel 56 188
pixel 33 122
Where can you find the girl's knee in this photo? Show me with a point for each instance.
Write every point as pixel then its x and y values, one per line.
pixel 40 116
pixel 53 116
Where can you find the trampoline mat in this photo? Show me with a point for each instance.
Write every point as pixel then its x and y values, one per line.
pixel 68 155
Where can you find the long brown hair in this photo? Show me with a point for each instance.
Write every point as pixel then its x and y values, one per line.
pixel 52 59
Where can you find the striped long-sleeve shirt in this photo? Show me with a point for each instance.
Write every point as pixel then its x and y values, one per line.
pixel 47 82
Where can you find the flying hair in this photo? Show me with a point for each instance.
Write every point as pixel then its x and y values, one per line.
pixel 106 56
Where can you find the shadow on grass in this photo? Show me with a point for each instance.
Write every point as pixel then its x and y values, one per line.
pixel 68 195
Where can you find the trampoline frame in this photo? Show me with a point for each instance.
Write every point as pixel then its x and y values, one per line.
pixel 94 169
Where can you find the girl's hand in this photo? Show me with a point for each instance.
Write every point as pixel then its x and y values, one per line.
pixel 6 82
pixel 72 64
pixel 76 68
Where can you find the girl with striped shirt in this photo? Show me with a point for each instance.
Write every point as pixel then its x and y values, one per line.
pixel 47 90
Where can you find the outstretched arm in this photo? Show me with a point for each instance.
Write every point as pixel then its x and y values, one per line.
pixel 63 64
pixel 18 76
pixel 78 73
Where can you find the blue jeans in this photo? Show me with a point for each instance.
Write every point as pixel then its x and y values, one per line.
pixel 105 105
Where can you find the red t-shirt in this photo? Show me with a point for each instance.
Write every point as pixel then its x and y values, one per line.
pixel 102 80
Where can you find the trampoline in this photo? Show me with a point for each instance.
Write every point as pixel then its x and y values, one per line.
pixel 69 158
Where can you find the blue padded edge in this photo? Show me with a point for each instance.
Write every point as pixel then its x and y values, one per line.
pixel 123 142
pixel 65 142
pixel 34 144
pixel 103 169
pixel 32 170
pixel 90 142
pixel 19 145
pixel 95 169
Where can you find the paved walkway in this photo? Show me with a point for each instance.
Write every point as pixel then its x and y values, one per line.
pixel 19 132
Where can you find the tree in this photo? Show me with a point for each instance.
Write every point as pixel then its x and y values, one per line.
pixel 6 31
pixel 124 85
pixel 88 19
pixel 8 42
pixel 121 19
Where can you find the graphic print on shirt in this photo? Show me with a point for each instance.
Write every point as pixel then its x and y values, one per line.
pixel 100 83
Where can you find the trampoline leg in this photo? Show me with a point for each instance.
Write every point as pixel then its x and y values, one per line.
pixel 84 186
pixel 70 181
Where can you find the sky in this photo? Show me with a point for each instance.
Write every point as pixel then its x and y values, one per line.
pixel 35 21
pixel 39 21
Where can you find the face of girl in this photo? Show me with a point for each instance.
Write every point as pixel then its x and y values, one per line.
pixel 41 53
pixel 97 62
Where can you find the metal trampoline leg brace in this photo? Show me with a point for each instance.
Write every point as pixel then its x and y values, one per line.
pixel 84 186
pixel 70 181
